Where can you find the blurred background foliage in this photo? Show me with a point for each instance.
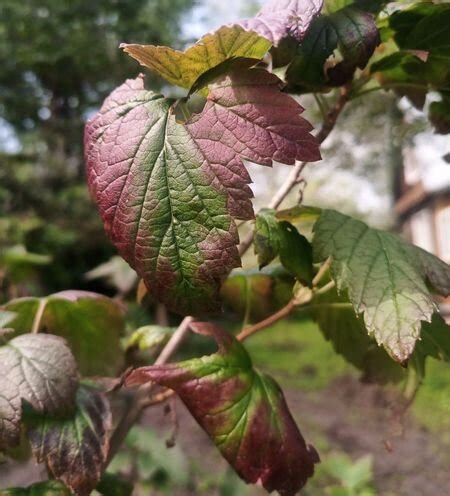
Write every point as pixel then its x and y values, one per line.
pixel 60 59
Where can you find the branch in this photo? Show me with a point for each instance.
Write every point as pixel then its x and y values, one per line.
pixel 281 314
pixel 38 316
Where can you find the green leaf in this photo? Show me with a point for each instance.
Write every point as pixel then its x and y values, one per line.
pixel 243 411
pixel 73 448
pixel 351 30
pixel 403 72
pixel 48 488
pixel 280 238
pixel 254 295
pixel 38 369
pixel 185 68
pixel 386 278
pixel 435 340
pixel 373 6
pixel 420 30
pixel 168 193
pixel 150 337
pixel 91 323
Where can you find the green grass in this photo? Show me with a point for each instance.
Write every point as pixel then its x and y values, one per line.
pixel 432 404
pixel 296 354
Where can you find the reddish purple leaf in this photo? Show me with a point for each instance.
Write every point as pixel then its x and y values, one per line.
pixel 73 448
pixel 242 410
pixel 281 18
pixel 167 192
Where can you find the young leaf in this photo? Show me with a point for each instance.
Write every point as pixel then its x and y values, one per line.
pixel 74 448
pixel 167 191
pixel 150 337
pixel 242 410
pixel 385 278
pixel 38 369
pixel 185 68
pixel 274 237
pixel 279 19
pixel 254 294
pixel 91 323
pixel 48 488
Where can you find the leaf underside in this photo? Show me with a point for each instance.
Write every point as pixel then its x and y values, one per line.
pixel 281 18
pixel 168 192
pixel 243 411
pixel 38 369
pixel 386 279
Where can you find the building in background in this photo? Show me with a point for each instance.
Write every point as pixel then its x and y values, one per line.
pixel 422 202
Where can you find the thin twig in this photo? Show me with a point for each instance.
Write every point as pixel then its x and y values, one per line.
pixel 281 314
pixel 176 339
pixel 321 272
pixel 141 399
pixel 38 316
pixel 326 288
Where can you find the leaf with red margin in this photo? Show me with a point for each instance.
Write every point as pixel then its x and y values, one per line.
pixel 279 19
pixel 167 192
pixel 242 410
pixel 73 448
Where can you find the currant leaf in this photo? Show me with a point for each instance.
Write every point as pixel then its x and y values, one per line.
pixel 39 369
pixel 386 278
pixel 91 323
pixel 73 448
pixel 242 410
pixel 185 68
pixel 351 30
pixel 279 19
pixel 167 191
pixel 280 238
